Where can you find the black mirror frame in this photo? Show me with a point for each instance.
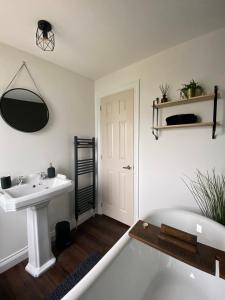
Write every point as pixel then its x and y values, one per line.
pixel 32 93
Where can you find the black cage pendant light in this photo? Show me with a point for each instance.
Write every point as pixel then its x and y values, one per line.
pixel 45 38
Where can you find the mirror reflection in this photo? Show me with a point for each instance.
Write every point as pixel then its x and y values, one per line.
pixel 24 110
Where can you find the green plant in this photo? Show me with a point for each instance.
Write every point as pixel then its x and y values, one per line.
pixel 209 193
pixel 192 85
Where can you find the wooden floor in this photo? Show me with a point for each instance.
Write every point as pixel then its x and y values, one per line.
pixel 97 234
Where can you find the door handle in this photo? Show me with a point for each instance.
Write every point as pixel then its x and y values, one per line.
pixel 127 167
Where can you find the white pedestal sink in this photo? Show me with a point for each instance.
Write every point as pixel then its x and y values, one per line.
pixel 35 195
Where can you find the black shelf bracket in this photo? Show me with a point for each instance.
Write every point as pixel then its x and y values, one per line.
pixel 214 111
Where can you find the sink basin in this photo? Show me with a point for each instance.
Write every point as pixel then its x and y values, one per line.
pixel 34 195
pixel 34 192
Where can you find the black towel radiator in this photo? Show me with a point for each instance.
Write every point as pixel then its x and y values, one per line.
pixel 85 196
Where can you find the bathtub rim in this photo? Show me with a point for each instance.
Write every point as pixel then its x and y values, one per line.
pixel 98 269
pixel 79 289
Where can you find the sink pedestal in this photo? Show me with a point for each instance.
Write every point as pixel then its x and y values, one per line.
pixel 39 243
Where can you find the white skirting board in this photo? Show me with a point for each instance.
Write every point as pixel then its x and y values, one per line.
pixel 13 259
pixel 84 217
pixel 20 255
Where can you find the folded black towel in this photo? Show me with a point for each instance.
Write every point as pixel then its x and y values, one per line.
pixel 181 119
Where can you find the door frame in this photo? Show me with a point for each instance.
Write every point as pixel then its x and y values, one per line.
pixel 136 87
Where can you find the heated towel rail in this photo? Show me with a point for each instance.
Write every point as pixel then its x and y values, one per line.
pixel 85 196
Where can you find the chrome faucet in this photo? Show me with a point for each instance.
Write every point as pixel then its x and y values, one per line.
pixel 43 175
pixel 20 180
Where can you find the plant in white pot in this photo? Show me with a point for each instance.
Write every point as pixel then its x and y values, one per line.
pixel 191 89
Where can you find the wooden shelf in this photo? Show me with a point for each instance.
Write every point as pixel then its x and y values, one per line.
pixel 156 106
pixel 202 124
pixel 186 101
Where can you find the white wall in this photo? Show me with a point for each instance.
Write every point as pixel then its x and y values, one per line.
pixel 70 99
pixel 178 152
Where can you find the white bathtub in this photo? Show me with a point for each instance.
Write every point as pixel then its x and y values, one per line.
pixel 132 270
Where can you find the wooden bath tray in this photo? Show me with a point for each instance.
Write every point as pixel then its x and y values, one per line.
pixel 175 243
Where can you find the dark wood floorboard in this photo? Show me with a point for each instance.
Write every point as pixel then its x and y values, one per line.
pixel 97 234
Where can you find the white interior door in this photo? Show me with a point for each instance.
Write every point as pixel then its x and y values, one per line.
pixel 117 133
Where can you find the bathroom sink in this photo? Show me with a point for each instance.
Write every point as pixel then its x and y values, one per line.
pixel 34 195
pixel 33 192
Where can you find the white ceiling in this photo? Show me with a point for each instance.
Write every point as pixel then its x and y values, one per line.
pixel 97 37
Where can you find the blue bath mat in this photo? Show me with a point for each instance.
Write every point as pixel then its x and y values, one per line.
pixel 75 277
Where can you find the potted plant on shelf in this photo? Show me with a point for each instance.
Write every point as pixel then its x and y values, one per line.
pixel 191 89
pixel 164 90
pixel 208 191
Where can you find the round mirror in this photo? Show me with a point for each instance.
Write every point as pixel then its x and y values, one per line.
pixel 24 110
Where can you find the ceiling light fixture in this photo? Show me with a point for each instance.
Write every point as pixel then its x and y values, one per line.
pixel 45 38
